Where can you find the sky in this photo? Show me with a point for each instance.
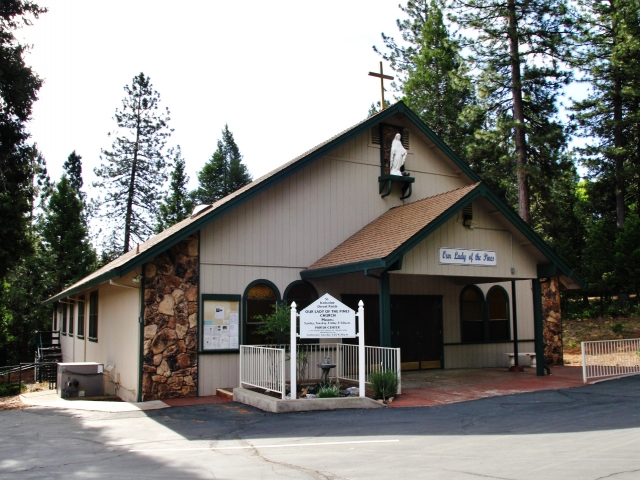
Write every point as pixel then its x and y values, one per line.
pixel 284 75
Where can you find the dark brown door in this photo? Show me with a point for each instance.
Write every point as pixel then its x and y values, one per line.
pixel 371 317
pixel 416 323
pixel 416 327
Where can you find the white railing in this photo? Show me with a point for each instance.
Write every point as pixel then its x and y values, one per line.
pixel 377 359
pixel 610 358
pixel 345 356
pixel 263 367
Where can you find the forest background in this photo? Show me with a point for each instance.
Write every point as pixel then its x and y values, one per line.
pixel 487 76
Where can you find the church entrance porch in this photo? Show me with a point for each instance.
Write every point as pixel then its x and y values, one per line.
pixel 429 388
pixel 416 327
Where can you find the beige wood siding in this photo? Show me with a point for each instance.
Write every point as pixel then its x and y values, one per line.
pixel 118 337
pixel 291 225
pixel 488 234
pixel 306 215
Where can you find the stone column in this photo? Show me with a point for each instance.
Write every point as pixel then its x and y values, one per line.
pixel 552 321
pixel 170 368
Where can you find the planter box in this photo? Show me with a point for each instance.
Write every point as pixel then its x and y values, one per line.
pixel 275 405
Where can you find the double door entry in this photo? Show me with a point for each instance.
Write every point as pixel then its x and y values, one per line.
pixel 416 327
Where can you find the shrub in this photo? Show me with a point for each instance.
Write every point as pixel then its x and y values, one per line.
pixel 328 391
pixel 11 389
pixel 385 384
pixel 618 328
pixel 276 326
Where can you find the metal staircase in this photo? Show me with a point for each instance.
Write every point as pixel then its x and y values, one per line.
pixel 48 353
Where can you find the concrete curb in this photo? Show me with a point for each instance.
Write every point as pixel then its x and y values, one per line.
pixel 275 405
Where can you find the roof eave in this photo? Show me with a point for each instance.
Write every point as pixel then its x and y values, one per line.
pixel 555 268
pixel 104 277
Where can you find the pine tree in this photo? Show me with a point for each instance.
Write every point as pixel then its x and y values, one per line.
pixel 65 232
pixel 19 87
pixel 518 47
pixel 431 74
pixel 610 115
pixel 135 169
pixel 73 167
pixel 177 205
pixel 224 173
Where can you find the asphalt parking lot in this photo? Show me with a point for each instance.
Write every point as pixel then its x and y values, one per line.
pixel 590 432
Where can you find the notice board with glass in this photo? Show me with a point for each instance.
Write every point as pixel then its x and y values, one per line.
pixel 220 325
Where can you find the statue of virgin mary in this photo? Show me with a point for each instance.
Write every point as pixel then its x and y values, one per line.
pixel 397 157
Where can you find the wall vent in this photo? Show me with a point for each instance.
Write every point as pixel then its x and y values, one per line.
pixel 375 135
pixel 405 138
pixel 467 216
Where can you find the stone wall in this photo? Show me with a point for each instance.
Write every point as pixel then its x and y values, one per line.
pixel 552 321
pixel 170 367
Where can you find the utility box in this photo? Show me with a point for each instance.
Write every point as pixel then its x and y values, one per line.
pixel 81 379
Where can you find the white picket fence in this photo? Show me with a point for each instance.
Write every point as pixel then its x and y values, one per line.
pixel 610 358
pixel 267 366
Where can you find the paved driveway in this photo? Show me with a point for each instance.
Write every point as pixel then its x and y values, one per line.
pixel 585 432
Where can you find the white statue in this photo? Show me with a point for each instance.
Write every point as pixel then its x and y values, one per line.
pixel 397 157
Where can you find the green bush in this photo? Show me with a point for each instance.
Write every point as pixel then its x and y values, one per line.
pixel 328 391
pixel 11 389
pixel 385 384
pixel 618 328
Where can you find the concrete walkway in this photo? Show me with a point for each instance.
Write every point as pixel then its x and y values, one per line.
pixel 49 398
pixel 428 388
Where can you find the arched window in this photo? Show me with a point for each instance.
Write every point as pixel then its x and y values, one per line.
pixel 472 314
pixel 498 313
pixel 302 293
pixel 260 299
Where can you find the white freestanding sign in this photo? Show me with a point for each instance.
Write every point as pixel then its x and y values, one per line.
pixel 327 318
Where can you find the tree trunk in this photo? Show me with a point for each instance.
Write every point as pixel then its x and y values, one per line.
pixel 524 208
pixel 134 166
pixel 618 140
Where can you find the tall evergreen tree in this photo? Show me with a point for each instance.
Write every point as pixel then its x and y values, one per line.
pixel 135 169
pixel 610 115
pixel 176 206
pixel 518 47
pixel 19 87
pixel 73 168
pixel 224 173
pixel 64 230
pixel 431 74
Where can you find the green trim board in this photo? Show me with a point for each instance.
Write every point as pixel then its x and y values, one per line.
pixel 219 323
pixel 481 190
pixel 538 327
pixel 212 214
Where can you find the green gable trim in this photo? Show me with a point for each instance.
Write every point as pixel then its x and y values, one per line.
pixel 213 214
pixel 480 191
pixel 373 264
pixel 466 169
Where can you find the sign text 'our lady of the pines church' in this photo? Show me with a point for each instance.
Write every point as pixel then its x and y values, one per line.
pixel 466 256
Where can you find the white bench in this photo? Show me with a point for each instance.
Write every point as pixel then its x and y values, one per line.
pixel 531 355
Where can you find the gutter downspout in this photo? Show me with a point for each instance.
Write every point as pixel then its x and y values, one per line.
pixel 141 337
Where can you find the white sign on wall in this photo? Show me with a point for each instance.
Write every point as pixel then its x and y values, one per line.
pixel 466 256
pixel 327 318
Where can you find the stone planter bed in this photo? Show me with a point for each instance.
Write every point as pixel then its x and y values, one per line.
pixel 272 404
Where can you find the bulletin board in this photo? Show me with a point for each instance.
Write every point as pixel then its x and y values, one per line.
pixel 220 325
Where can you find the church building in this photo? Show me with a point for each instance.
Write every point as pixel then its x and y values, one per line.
pixel 383 212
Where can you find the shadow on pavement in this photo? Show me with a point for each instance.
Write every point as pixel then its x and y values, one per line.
pixel 611 405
